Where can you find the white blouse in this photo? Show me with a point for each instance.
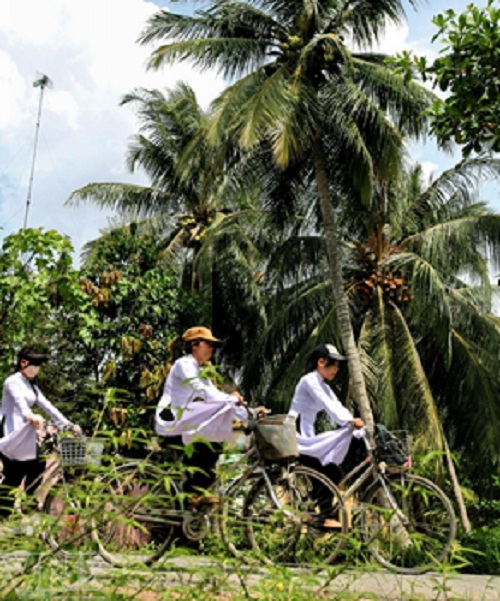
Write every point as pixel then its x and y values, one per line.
pixel 183 384
pixel 199 408
pixel 18 398
pixel 313 395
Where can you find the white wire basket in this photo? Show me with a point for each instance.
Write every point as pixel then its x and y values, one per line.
pixel 80 451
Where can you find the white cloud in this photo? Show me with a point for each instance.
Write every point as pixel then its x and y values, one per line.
pixel 89 51
pixel 12 86
pixel 88 48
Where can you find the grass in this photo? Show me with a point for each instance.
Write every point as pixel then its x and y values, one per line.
pixel 186 575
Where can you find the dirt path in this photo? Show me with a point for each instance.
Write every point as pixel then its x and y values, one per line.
pixel 94 574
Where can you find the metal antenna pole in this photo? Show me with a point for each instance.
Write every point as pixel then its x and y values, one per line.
pixel 42 82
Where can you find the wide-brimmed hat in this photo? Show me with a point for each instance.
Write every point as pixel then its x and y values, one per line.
pixel 200 333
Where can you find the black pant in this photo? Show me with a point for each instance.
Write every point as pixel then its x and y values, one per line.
pixel 354 456
pixel 204 457
pixel 331 470
pixel 14 472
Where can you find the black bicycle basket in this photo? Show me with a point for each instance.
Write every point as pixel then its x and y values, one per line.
pixel 391 447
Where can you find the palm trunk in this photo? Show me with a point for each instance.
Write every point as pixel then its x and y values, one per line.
pixel 334 254
pixel 464 518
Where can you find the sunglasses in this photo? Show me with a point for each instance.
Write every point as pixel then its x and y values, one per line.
pixel 36 362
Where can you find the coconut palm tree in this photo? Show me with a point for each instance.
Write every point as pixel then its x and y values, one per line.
pixel 172 130
pixel 334 115
pixel 420 299
pixel 194 190
pixel 420 284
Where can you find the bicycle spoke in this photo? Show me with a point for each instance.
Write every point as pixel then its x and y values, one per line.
pixel 136 518
pixel 232 522
pixel 66 527
pixel 303 522
pixel 411 529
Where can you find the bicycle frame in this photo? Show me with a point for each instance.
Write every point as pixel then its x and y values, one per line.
pixel 368 469
pixel 182 514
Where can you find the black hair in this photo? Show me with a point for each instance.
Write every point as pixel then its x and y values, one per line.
pixel 180 347
pixel 320 352
pixel 32 354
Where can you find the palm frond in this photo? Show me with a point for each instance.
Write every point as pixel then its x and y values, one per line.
pixel 459 244
pixel 230 57
pixel 404 103
pixel 376 346
pixel 418 410
pixel 129 198
pixel 475 419
pixel 382 140
pixel 366 20
pixel 457 184
pixel 243 20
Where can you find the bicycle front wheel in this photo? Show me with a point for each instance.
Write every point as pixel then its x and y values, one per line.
pixel 408 523
pixel 296 518
pixel 66 525
pixel 136 516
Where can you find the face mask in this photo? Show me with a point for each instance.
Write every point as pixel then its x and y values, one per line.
pixel 31 371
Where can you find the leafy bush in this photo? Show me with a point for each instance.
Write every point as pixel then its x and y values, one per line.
pixel 483 550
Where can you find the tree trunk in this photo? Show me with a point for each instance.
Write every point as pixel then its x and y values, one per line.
pixel 464 518
pixel 334 254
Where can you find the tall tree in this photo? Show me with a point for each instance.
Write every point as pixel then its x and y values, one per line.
pixel 333 114
pixel 420 299
pixel 468 69
pixel 190 183
pixel 198 202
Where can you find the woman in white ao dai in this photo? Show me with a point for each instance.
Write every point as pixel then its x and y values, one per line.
pixel 312 395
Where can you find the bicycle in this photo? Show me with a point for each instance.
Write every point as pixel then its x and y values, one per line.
pixel 406 521
pixel 275 510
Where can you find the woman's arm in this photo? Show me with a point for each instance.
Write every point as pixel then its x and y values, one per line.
pixel 330 403
pixel 58 418
pixel 188 373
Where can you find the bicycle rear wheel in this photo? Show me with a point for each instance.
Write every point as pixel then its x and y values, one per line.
pixel 410 525
pixel 135 520
pixel 299 520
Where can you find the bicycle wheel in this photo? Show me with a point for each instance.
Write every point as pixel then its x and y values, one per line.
pixel 66 528
pixel 231 521
pixel 409 524
pixel 299 520
pixel 135 516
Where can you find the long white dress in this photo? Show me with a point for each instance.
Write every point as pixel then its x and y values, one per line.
pixel 200 409
pixel 18 398
pixel 312 395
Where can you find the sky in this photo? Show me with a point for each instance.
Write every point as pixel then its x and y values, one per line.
pixel 88 49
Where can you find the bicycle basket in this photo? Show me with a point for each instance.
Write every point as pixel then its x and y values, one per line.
pixel 276 438
pixel 392 447
pixel 80 451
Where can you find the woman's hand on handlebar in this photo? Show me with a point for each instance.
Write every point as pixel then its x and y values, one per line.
pixel 260 411
pixel 240 400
